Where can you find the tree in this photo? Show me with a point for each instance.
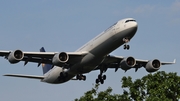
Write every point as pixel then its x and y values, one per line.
pixel 94 95
pixel 159 86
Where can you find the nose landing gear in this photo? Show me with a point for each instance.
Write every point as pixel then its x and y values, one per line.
pixel 126 40
pixel 101 77
pixel 126 47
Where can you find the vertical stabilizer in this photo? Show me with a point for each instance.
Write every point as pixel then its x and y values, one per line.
pixel 45 67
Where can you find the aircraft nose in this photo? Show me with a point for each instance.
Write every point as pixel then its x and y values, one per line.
pixel 133 25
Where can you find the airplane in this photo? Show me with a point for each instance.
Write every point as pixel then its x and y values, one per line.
pixel 60 67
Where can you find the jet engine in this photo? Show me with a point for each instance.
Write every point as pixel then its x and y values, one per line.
pixel 15 56
pixel 127 63
pixel 60 58
pixel 153 65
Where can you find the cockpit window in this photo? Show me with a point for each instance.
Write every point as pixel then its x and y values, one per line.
pixel 130 21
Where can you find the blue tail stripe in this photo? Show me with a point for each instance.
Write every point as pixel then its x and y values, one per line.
pixel 42 49
pixel 45 67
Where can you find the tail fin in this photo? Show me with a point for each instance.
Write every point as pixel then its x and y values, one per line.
pixel 45 67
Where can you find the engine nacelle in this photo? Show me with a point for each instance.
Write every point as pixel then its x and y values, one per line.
pixel 60 58
pixel 15 56
pixel 127 63
pixel 153 65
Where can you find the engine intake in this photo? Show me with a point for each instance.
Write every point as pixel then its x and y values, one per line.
pixel 15 56
pixel 60 58
pixel 153 65
pixel 127 63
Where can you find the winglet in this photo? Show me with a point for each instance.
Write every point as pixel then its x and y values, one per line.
pixel 169 63
pixel 174 61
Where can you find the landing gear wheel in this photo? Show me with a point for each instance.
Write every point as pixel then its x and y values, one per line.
pixel 97 81
pixel 84 78
pixel 99 76
pixel 80 77
pixel 104 77
pixel 127 47
pixel 102 81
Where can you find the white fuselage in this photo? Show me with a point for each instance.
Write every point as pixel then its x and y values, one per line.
pixel 97 49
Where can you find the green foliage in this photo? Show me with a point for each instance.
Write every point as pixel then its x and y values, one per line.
pixel 106 95
pixel 159 86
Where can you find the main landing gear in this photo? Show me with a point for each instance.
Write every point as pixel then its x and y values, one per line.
pixel 126 40
pixel 80 77
pixel 101 77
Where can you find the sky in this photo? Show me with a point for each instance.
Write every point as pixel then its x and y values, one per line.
pixel 66 25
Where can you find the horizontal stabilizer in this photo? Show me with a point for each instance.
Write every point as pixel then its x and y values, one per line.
pixel 25 76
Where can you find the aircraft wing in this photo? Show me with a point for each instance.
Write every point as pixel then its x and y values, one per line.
pixel 25 76
pixel 162 62
pixel 122 62
pixel 41 57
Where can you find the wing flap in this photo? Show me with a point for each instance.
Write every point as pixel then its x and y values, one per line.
pixel 25 76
